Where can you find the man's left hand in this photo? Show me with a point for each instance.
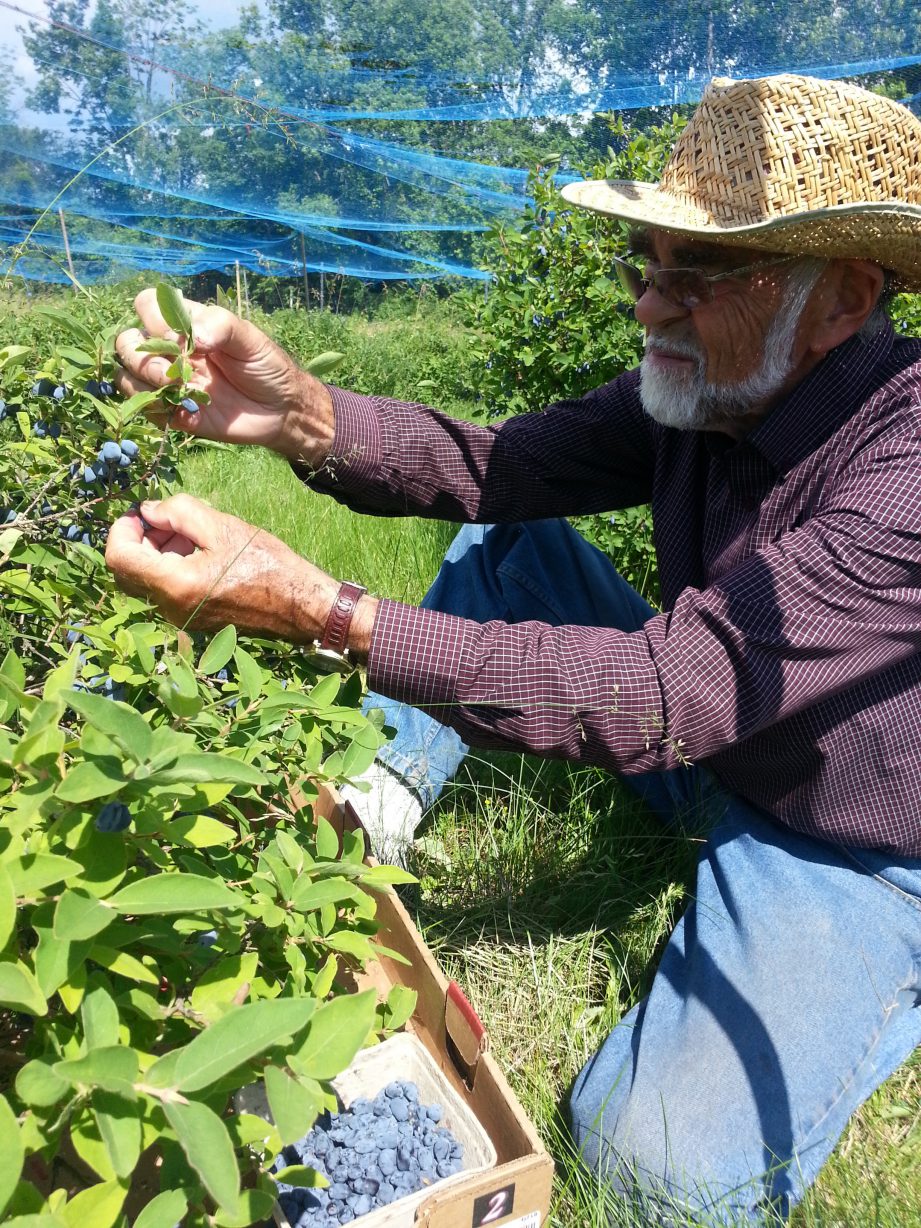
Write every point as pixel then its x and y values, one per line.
pixel 204 569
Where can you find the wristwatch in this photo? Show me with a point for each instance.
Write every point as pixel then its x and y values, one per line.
pixel 331 652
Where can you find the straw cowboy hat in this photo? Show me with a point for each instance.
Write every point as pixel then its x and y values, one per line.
pixel 787 164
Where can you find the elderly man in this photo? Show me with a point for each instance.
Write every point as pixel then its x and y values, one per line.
pixel 775 424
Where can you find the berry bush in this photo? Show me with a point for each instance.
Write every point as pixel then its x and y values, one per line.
pixel 173 925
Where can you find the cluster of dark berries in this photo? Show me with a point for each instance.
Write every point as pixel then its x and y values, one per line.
pixel 46 430
pixel 372 1153
pixel 48 388
pixel 100 388
pixel 111 465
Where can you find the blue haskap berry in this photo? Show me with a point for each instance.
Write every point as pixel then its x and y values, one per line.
pixel 434 1112
pixel 10 516
pixel 106 388
pixel 110 451
pixel 60 392
pixel 129 448
pixel 86 538
pixel 89 475
pixel 2 409
pixel 114 816
pixel 43 388
pixel 400 1109
pixel 40 429
pixel 124 461
pixel 190 406
pixel 93 387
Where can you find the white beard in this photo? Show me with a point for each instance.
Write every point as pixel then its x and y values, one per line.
pixel 684 400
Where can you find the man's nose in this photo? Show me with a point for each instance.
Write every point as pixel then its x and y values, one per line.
pixel 652 310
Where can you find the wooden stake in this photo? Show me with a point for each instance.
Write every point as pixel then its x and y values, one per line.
pixel 322 287
pixel 70 263
pixel 239 295
pixel 246 291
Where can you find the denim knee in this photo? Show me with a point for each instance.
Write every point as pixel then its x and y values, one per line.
pixel 666 1183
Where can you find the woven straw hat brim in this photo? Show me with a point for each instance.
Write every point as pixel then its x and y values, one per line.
pixel 887 232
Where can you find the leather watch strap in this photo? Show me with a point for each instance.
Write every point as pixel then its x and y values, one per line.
pixel 336 632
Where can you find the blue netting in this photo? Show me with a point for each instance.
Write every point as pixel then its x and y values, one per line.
pixel 370 139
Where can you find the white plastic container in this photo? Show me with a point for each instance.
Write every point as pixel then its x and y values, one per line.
pixel 404 1057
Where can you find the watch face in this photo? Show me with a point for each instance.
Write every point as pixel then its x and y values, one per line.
pixel 329 662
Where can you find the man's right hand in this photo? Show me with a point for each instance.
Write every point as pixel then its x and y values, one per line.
pixel 258 394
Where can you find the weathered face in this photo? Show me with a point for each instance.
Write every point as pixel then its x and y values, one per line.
pixel 720 364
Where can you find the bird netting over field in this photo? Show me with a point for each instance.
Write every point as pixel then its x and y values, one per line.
pixel 376 139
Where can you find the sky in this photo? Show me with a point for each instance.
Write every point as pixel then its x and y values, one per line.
pixel 15 13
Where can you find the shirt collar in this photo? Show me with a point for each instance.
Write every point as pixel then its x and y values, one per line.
pixel 830 394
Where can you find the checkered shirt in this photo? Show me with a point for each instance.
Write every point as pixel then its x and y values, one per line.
pixel 787 656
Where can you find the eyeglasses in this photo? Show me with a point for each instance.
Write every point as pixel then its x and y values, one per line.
pixel 685 288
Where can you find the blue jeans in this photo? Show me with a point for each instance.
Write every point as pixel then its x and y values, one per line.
pixel 789 990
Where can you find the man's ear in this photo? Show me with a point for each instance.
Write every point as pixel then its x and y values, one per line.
pixel 850 291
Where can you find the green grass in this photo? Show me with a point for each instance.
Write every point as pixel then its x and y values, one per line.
pixel 548 893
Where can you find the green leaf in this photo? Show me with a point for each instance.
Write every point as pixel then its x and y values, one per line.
pixel 12 1153
pixel 31 873
pixel 37 1085
pixel 200 831
pixel 99 777
pixel 237 1037
pixel 113 1068
pixel 13 355
pixel 249 673
pixel 79 358
pixel 207 1146
pixel 120 1127
pixel 401 1002
pixel 336 1033
pixel 7 906
pixel 327 839
pixel 217 987
pixel 123 964
pixel 219 651
pixel 117 720
pixel 100 1019
pixel 310 893
pixel 303 1175
pixel 70 325
pixel 324 362
pixel 169 893
pixel 206 767
pixel 164 1211
pixel 294 1107
pixel 19 989
pixel 159 345
pixel 100 1206
pixel 253 1207
pixel 380 877
pixel 173 309
pixel 79 915
pixel 325 691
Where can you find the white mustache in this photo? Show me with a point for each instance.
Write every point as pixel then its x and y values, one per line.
pixel 673 347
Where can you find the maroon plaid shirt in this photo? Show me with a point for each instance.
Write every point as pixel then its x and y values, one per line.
pixel 788 655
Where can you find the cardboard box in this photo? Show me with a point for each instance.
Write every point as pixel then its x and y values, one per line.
pixel 516 1192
